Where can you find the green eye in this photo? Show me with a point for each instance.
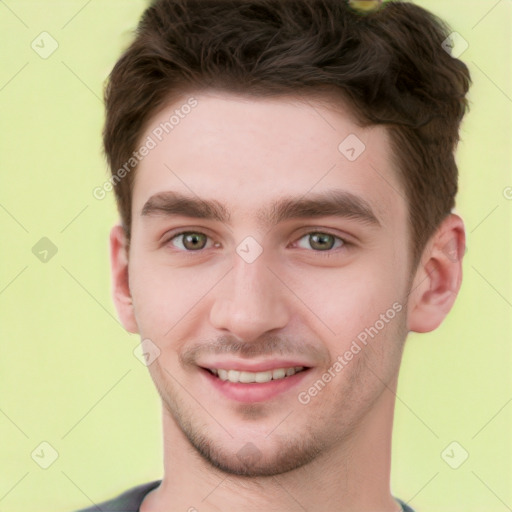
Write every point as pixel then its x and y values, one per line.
pixel 190 241
pixel 321 241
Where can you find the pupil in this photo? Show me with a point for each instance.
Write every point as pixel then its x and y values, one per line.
pixel 193 240
pixel 321 240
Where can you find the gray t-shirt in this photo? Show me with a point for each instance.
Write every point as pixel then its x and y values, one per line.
pixel 131 500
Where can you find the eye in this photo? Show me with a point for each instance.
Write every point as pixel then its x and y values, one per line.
pixel 190 241
pixel 320 241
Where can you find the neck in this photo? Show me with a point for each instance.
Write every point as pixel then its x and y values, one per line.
pixel 353 476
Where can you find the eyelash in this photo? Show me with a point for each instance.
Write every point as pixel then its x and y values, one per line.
pixel 325 254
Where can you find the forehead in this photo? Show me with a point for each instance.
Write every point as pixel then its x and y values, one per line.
pixel 246 152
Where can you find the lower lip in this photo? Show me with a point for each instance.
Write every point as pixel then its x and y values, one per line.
pixel 255 391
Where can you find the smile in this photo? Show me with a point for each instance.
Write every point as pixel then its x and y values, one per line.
pixel 246 377
pixel 249 387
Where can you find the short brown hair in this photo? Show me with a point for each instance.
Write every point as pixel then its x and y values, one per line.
pixel 388 65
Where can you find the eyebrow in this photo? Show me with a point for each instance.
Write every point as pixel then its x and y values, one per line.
pixel 174 203
pixel 337 203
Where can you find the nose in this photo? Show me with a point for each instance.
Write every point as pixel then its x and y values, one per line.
pixel 250 301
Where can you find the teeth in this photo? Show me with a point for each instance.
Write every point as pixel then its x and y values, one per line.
pixel 249 377
pixel 233 375
pixel 278 374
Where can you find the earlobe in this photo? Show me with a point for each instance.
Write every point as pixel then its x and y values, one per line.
pixel 120 279
pixel 438 277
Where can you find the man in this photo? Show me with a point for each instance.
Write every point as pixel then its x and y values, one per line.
pixel 285 176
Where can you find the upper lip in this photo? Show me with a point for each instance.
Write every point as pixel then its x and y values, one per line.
pixel 262 366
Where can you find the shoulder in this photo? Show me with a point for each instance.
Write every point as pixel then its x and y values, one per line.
pixel 405 507
pixel 129 501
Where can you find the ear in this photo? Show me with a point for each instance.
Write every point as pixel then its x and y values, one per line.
pixel 438 276
pixel 120 278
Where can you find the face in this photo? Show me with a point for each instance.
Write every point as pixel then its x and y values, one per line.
pixel 261 245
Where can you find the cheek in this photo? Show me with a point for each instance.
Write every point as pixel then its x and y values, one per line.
pixel 343 302
pixel 166 298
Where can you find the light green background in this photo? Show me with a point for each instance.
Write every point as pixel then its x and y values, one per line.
pixel 68 375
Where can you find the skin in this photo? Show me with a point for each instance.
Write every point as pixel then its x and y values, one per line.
pixel 332 454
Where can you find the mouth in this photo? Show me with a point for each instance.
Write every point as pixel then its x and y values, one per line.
pixel 246 377
pixel 254 386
